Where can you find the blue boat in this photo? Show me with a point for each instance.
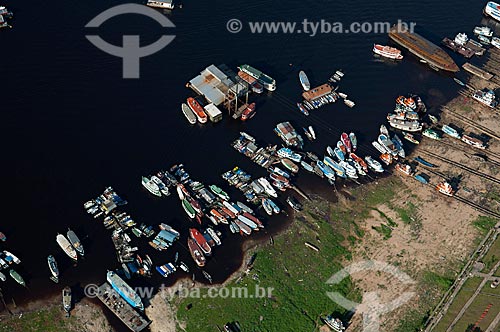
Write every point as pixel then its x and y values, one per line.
pixel 166 270
pixel 125 291
pixel 339 154
pixel 330 151
pixel 424 162
pixel 307 167
pixel 421 179
pixel 329 173
pixel 339 170
pixel 302 109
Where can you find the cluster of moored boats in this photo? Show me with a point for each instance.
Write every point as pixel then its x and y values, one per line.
pixel 5 14
pixel 330 96
pixel 7 261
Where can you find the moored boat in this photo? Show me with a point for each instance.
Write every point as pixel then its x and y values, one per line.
pixel 294 203
pixel 354 141
pixel 197 110
pixel 477 143
pixel 3 238
pixel 404 168
pixel 410 138
pixel 219 192
pixel 75 242
pixel 450 131
pixel 339 154
pixel 248 113
pixel 54 270
pixel 312 132
pixel 339 170
pixel 304 81
pixel 290 165
pixel 125 291
pixel 201 241
pixel 346 141
pixel 374 165
pixel 267 206
pixel 195 251
pixel 188 113
pixel 188 208
pixel 17 277
pixel 268 82
pixel 424 162
pixel 431 134
pixel 151 186
pixel 326 170
pixel 3 277
pixel 66 299
pixel 66 247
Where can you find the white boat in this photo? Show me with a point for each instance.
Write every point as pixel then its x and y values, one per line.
pixel 349 170
pixel 461 38
pixel 166 4
pixel 492 9
pixel 161 185
pixel 151 186
pixel 487 98
pixel 312 132
pixel 483 31
pixel 267 187
pixel 349 103
pixel 11 257
pixel 387 51
pixel 306 85
pixel 66 247
pixel 2 276
pixel 374 165
pixel 180 193
pixel 188 113
pixel 213 234
pixel 495 41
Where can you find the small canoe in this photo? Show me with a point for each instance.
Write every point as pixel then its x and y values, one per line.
pixel 424 162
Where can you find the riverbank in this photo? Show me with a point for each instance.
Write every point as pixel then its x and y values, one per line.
pixel 48 315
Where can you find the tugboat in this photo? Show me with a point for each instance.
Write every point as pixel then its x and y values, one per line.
pixel 66 299
pixel 54 270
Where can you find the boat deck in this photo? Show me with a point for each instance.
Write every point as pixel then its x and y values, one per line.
pixel 134 321
pixel 477 71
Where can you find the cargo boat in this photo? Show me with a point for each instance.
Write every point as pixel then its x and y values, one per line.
pixel 125 291
pixel 197 109
pixel 422 48
pixel 131 318
pixel 256 86
pixel 268 82
pixel 288 134
pixel 460 49
pixel 66 247
pixel 195 251
pixel 411 126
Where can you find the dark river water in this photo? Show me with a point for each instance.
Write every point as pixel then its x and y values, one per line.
pixel 72 126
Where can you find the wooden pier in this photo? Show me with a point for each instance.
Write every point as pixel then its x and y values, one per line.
pixel 477 71
pixel 134 321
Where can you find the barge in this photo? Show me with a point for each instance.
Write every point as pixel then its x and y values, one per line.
pixel 422 48
pixel 131 318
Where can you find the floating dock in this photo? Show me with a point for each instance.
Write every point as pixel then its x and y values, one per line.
pixel 477 71
pixel 134 321
pixel 317 92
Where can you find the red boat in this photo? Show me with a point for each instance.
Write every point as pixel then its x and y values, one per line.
pixel 359 160
pixel 228 212
pixel 244 229
pixel 197 109
pixel 248 113
pixel 195 251
pixel 201 241
pixel 346 141
pixel 279 178
pixel 217 215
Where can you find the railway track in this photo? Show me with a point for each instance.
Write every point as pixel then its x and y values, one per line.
pixel 471 123
pixel 463 167
pixel 488 154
